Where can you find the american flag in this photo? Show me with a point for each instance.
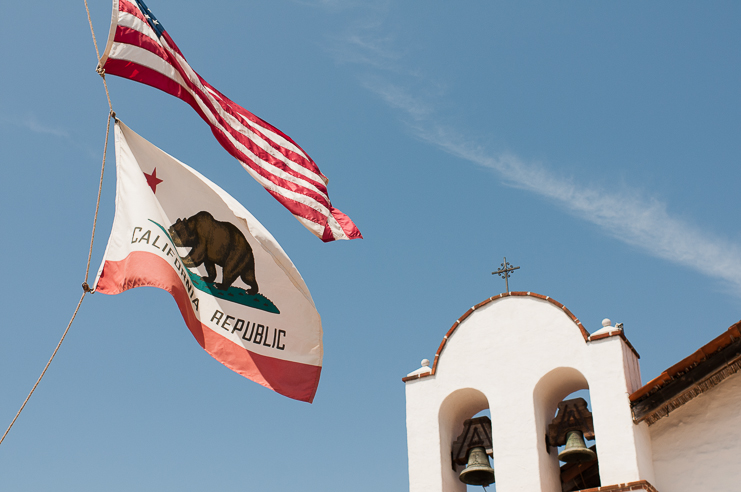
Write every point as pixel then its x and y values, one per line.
pixel 140 49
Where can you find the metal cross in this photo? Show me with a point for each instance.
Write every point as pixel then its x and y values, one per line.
pixel 504 272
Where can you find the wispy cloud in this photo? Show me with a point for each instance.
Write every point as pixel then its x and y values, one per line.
pixel 365 42
pixel 32 123
pixel 630 216
pixel 627 215
pixel 399 98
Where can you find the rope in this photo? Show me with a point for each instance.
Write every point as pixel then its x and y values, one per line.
pixel 111 114
pixel 97 53
pixel 45 368
pixel 99 69
pixel 85 287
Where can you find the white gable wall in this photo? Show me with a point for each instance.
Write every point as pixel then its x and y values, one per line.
pixel 692 445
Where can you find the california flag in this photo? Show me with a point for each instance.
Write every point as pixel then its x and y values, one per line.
pixel 240 295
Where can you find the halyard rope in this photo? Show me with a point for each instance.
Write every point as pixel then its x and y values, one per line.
pixel 45 368
pixel 85 287
pixel 112 114
pixel 98 69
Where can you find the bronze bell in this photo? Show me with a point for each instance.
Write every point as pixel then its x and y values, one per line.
pixel 576 450
pixel 478 471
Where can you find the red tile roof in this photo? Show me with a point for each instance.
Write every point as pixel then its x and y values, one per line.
pixel 683 365
pixel 704 369
pixel 624 487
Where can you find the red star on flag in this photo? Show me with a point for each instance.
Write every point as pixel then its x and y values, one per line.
pixel 153 180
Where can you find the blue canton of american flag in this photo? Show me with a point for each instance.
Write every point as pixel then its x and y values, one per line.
pixel 140 49
pixel 151 19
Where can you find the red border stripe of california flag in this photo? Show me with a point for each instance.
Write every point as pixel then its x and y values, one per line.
pixel 139 269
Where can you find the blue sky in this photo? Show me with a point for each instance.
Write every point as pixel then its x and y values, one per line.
pixel 593 144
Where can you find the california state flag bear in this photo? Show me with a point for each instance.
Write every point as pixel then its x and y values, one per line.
pixel 239 293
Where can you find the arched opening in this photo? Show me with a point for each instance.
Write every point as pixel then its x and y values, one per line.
pixel 562 406
pixel 477 488
pixel 578 457
pixel 456 409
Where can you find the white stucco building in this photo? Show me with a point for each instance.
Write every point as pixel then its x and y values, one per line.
pixel 519 354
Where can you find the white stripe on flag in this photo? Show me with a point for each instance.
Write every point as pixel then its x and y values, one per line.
pixel 239 127
pixel 277 139
pixel 150 60
pixel 125 19
pixel 140 56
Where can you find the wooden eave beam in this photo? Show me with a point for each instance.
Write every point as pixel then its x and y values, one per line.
pixel 686 382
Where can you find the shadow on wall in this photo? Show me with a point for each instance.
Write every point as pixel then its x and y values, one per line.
pixel 456 409
pixel 478 488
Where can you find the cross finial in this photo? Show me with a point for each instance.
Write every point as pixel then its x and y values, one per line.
pixel 504 272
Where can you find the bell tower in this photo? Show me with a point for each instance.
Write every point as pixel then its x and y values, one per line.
pixel 519 355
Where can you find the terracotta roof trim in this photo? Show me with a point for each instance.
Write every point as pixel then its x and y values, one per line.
pixel 616 333
pixel 710 365
pixel 624 487
pixel 566 311
pixel 681 367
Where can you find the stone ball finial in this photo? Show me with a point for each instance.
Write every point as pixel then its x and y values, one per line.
pixel 425 369
pixel 606 322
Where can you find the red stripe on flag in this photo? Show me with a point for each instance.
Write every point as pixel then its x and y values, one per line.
pixel 146 75
pixel 127 35
pixel 156 81
pixel 319 194
pixel 291 379
pixel 238 111
pixel 347 225
pixel 247 142
pixel 288 185
pixel 171 43
pixel 130 8
pixel 300 209
pixel 253 118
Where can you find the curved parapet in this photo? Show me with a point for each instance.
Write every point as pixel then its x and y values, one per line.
pixel 577 323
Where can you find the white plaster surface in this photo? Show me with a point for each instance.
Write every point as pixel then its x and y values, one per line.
pixel 698 446
pixel 521 356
